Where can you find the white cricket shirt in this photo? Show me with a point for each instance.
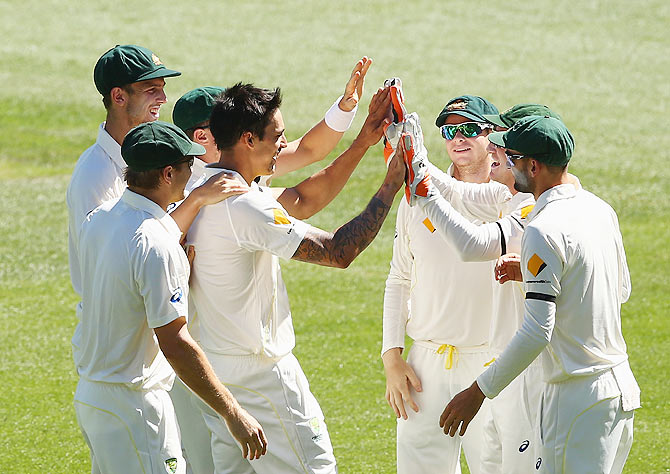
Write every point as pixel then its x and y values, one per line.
pixel 237 287
pixel 576 278
pixel 431 294
pixel 487 242
pixel 97 177
pixel 134 278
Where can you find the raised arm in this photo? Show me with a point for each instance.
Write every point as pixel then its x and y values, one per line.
pixel 322 138
pixel 317 191
pixel 340 248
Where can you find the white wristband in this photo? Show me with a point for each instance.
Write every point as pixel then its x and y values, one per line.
pixel 338 119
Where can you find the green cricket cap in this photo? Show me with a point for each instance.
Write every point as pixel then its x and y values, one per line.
pixel 544 138
pixel 195 106
pixel 126 64
pixel 515 113
pixel 153 145
pixel 471 107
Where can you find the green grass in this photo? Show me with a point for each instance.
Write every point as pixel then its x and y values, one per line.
pixel 602 65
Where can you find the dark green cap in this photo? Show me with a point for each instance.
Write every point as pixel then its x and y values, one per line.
pixel 512 115
pixel 154 145
pixel 471 107
pixel 546 139
pixel 126 64
pixel 195 106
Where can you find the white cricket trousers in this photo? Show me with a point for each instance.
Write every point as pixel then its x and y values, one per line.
pixel 195 435
pixel 583 428
pixel 510 439
pixel 422 446
pixel 128 431
pixel 276 393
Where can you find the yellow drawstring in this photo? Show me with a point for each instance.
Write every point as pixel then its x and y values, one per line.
pixel 449 363
pixel 490 362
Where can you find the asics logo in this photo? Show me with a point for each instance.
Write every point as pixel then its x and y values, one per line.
pixel 524 446
pixel 538 464
pixel 176 296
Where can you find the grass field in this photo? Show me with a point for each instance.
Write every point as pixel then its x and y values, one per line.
pixel 604 66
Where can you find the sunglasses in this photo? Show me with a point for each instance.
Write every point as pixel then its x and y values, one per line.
pixel 511 157
pixel 467 129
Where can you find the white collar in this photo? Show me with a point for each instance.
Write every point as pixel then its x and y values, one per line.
pixel 561 191
pixel 110 146
pixel 142 203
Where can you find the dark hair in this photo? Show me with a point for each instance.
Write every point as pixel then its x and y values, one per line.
pixel 240 109
pixel 149 179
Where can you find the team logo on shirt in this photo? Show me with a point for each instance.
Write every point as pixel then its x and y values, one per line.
pixel 280 217
pixel 176 296
pixel 536 264
pixel 315 425
pixel 429 225
pixel 171 465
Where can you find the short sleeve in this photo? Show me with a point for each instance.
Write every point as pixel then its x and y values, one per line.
pixel 162 280
pixel 541 265
pixel 260 223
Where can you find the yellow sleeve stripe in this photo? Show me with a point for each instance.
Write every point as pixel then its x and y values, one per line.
pixel 280 217
pixel 429 225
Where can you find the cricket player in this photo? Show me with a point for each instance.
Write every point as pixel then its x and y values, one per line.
pixel 237 288
pixel 191 113
pixel 509 441
pixel 442 303
pixel 133 321
pixel 576 278
pixel 131 80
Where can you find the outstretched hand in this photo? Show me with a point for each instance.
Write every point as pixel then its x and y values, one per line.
pixel 377 119
pixel 353 91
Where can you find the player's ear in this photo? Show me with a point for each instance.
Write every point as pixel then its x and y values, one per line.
pixel 248 139
pixel 167 173
pixel 117 96
pixel 200 136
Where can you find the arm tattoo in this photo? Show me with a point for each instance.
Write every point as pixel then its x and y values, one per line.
pixel 341 247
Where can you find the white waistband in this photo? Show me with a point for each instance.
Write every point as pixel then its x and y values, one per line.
pixel 462 349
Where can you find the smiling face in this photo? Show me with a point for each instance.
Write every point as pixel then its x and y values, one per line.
pixel 144 100
pixel 267 150
pixel 468 153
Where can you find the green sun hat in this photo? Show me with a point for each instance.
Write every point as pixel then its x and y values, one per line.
pixel 126 64
pixel 515 113
pixel 195 106
pixel 153 145
pixel 543 138
pixel 471 107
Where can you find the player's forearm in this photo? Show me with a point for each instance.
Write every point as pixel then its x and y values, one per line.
pixel 185 213
pixel 472 242
pixel 394 319
pixel 528 342
pixel 191 365
pixel 317 191
pixel 310 148
pixel 340 248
